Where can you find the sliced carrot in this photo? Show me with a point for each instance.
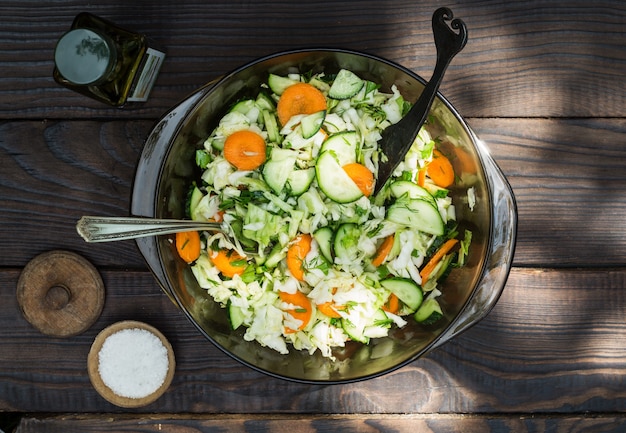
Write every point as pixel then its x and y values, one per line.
pixel 303 310
pixel 432 263
pixel 421 176
pixel 467 164
pixel 188 246
pixel 228 262
pixel 392 305
pixel 361 175
pixel 245 150
pixel 383 251
pixel 330 309
pixel 440 170
pixel 299 98
pixel 218 217
pixel 296 254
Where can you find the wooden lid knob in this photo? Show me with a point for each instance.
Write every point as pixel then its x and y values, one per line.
pixel 60 293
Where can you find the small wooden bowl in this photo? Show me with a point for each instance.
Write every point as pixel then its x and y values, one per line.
pixel 104 390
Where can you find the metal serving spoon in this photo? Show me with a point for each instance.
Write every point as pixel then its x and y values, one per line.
pixel 397 139
pixel 105 229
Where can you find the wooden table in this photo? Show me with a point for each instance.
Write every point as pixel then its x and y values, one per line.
pixel 542 83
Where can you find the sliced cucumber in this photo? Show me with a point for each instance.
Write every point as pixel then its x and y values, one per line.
pixel 271 126
pixel 344 144
pixel 299 181
pixel 418 214
pixel 243 107
pixel 346 241
pixel 406 290
pixel 429 312
pixel 346 85
pixel 354 332
pixel 411 189
pixel 334 181
pixel 194 198
pixel 235 315
pixel 312 123
pixel 278 84
pixel 381 319
pixel 324 237
pixel 265 102
pixel 277 253
pixel 277 169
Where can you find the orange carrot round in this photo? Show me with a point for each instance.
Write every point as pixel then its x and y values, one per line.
pixel 296 254
pixel 188 246
pixel 383 251
pixel 330 309
pixel 392 305
pixel 303 310
pixel 432 263
pixel 299 98
pixel 361 175
pixel 440 170
pixel 245 150
pixel 228 262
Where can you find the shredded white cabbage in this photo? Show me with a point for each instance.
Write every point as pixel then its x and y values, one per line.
pixel 344 297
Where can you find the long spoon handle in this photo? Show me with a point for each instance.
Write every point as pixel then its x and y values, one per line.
pixel 105 229
pixel 397 139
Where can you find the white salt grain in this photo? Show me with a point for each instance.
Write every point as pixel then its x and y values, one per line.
pixel 133 363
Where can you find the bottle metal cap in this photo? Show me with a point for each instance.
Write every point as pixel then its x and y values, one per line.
pixel 84 56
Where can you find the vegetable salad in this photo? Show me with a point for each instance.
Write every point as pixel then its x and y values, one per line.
pixel 308 257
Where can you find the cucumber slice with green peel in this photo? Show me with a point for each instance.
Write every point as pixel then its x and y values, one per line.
pixel 334 181
pixel 406 290
pixel 429 312
pixel 194 198
pixel 411 189
pixel 271 126
pixel 324 237
pixel 344 144
pixel 312 123
pixel 277 169
pixel 418 214
pixel 299 181
pixel 353 332
pixel 235 316
pixel 244 106
pixel 278 84
pixel 265 102
pixel 346 85
pixel 346 241
pixel 275 256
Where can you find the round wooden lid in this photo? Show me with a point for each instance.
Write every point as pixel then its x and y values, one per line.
pixel 93 365
pixel 60 293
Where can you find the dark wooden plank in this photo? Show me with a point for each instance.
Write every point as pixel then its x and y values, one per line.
pixel 568 177
pixel 552 59
pixel 322 423
pixel 555 343
pixel 55 172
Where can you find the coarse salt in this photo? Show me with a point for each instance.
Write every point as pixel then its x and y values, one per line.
pixel 133 363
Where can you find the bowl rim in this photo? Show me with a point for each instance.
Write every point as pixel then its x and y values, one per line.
pixel 148 246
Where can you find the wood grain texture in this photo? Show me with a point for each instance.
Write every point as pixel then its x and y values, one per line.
pixel 542 83
pixel 551 59
pixel 322 423
pixel 553 344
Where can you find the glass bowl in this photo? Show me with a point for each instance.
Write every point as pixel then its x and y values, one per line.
pixel 166 169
